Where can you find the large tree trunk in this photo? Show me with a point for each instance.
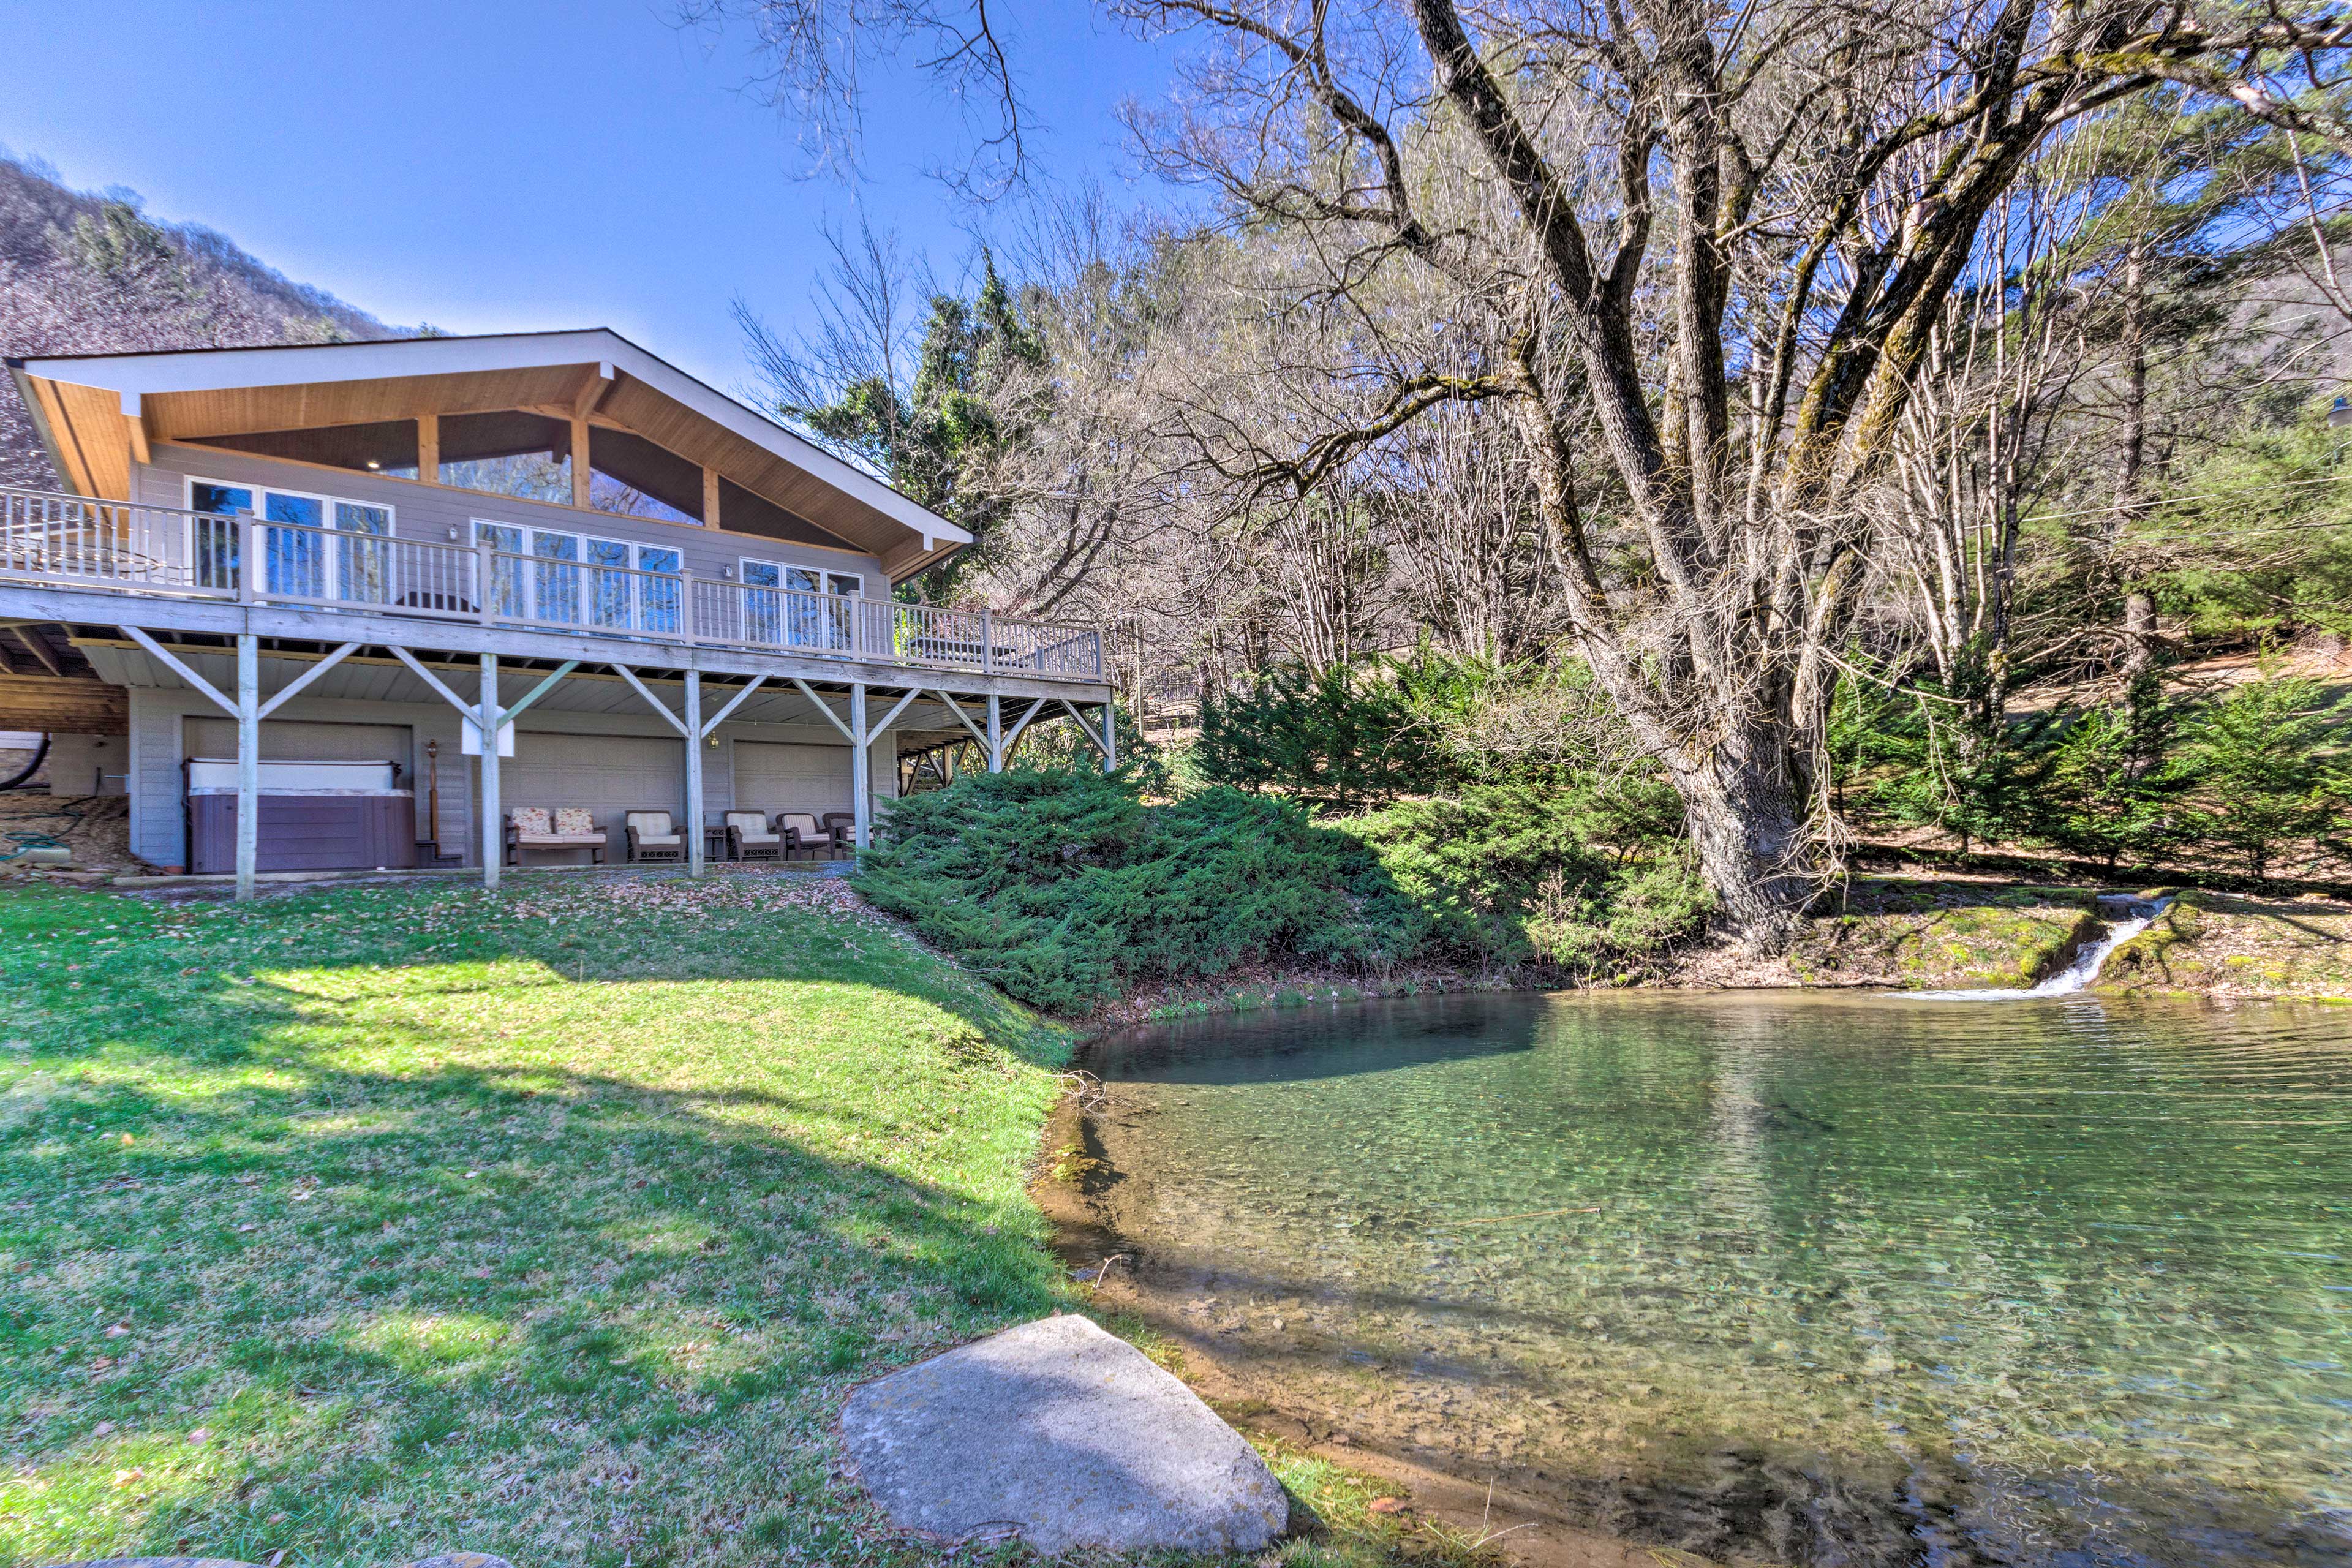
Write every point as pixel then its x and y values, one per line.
pixel 1747 822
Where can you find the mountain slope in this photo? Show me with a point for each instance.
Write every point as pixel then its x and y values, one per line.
pixel 84 272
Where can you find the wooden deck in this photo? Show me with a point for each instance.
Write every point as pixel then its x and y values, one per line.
pixel 198 561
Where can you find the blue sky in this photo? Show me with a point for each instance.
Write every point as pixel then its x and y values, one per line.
pixel 491 165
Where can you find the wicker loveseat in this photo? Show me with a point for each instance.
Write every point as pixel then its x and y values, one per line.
pixel 565 827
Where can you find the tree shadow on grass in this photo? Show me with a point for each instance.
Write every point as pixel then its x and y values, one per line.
pixel 292 1266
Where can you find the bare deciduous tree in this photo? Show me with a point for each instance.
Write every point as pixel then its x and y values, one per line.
pixel 1706 249
pixel 815 56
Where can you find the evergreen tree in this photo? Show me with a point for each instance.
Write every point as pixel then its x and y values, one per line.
pixel 974 390
pixel 1343 739
pixel 2264 767
pixel 2112 788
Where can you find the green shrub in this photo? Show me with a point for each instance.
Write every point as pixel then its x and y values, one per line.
pixel 1062 887
pixel 2261 758
pixel 1575 875
pixel 1343 739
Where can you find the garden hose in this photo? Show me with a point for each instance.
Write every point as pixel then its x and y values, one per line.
pixel 40 755
pixel 18 843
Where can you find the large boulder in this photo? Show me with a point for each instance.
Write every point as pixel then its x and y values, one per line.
pixel 1066 1437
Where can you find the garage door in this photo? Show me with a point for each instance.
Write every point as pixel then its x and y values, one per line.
pixel 607 774
pixel 773 776
pixel 291 741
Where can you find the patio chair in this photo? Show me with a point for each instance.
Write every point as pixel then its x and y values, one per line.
pixel 800 832
pixel 749 836
pixel 567 828
pixel 653 835
pixel 843 825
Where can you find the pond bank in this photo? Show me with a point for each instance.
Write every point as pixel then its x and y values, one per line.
pixel 1902 934
pixel 1896 933
pixel 1476 1519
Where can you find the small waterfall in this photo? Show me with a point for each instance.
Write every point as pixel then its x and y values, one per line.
pixel 2079 970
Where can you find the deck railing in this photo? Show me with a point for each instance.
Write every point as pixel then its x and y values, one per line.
pixel 74 541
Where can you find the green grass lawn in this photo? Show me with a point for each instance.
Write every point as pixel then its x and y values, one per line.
pixel 368 1222
pixel 365 1223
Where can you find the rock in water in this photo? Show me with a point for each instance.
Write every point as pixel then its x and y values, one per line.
pixel 1065 1435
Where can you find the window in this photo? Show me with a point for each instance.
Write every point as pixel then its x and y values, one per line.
pixel 213 551
pixel 661 589
pixel 506 578
pixel 799 607
pixel 309 556
pixel 362 564
pixel 578 580
pixel 763 606
pixel 509 453
pixel 515 452
pixel 558 585
pixel 631 476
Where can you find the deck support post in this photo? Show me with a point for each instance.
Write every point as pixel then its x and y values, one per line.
pixel 494 849
pixel 1110 737
pixel 694 744
pixel 249 761
pixel 995 733
pixel 1012 739
pixel 861 768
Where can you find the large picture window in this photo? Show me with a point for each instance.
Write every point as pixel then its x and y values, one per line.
pixel 509 453
pixel 319 547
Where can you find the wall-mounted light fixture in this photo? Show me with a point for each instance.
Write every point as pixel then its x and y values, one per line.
pixel 453 533
pixel 728 572
pixel 373 464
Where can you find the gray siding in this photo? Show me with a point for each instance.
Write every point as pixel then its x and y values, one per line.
pixel 429 511
pixel 88 764
pixel 157 715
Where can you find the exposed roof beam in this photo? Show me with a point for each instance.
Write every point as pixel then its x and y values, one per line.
pixel 593 387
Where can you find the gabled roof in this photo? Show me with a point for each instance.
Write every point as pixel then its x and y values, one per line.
pixel 98 412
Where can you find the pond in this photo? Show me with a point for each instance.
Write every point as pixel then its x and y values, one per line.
pixel 1783 1278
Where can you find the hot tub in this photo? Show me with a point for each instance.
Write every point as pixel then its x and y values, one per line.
pixel 314 816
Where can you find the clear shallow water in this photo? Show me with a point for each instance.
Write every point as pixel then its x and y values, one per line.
pixel 1793 1278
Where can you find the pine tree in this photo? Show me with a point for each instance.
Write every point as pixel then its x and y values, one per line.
pixel 2264 768
pixel 2112 788
pixel 972 392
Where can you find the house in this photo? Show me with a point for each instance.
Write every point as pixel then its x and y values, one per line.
pixel 289 590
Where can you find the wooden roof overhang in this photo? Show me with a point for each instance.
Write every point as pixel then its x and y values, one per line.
pixel 98 414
